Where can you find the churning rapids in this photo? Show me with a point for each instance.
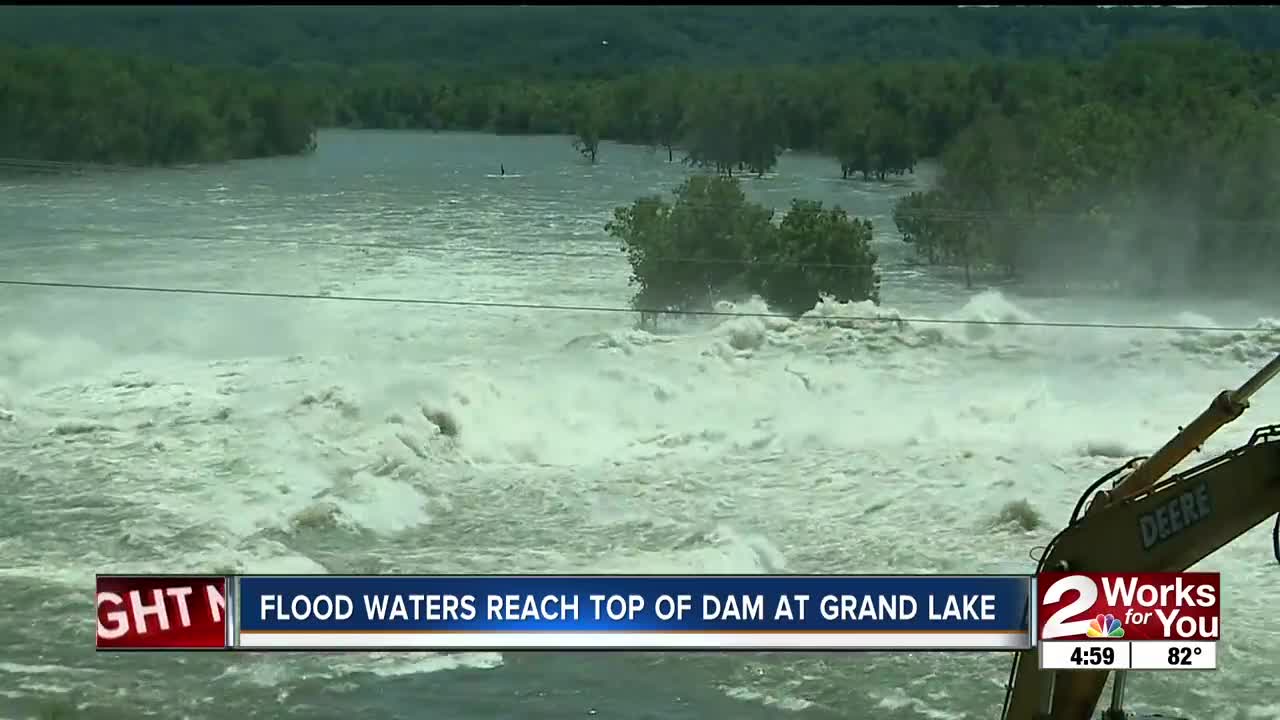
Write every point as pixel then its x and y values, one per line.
pixel 153 432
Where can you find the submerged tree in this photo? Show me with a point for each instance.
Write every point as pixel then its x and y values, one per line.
pixel 712 242
pixel 816 252
pixel 685 252
pixel 589 121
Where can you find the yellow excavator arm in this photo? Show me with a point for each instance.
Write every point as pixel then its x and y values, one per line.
pixel 1146 524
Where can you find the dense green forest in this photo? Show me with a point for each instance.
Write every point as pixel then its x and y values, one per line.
pixel 82 106
pixel 1159 167
pixel 1162 149
pixel 562 41
pixel 259 79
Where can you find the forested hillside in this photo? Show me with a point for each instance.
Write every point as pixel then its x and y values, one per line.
pixel 566 41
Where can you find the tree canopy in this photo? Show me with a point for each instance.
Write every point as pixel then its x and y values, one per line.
pixel 711 243
pixel 82 106
pixel 1158 168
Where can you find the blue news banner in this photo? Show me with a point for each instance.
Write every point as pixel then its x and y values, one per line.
pixel 633 612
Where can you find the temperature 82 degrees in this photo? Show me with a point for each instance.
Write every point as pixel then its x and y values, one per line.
pixel 1174 655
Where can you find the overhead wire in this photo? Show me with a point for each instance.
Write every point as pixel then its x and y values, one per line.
pixel 418 248
pixel 935 213
pixel 497 304
pixel 422 249
pixel 943 214
pixel 946 214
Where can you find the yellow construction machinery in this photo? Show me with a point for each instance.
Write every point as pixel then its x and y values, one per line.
pixel 1243 489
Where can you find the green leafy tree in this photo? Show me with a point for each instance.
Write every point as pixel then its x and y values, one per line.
pixel 683 253
pixel 815 252
pixel 589 121
pixel 910 215
pixel 849 142
pixel 711 241
pixel 668 112
pixel 712 131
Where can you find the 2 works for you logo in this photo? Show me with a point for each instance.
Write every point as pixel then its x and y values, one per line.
pixel 1129 606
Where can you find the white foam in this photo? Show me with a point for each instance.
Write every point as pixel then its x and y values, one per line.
pixel 276 671
pixel 791 704
pixel 278 437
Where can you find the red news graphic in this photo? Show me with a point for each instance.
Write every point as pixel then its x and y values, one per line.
pixel 161 613
pixel 1128 606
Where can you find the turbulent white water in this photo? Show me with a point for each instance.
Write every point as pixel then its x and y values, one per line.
pixel 145 432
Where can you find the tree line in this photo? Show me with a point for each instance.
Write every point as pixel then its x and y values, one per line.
pixel 88 107
pixel 1158 169
pixel 607 41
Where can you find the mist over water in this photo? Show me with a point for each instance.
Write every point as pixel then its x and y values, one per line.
pixel 174 433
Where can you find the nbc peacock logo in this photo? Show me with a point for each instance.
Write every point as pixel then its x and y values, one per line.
pixel 1105 626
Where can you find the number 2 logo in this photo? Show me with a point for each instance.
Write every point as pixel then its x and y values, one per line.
pixel 1055 627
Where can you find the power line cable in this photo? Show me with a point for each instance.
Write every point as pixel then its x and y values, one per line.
pixel 965 214
pixel 492 251
pixel 608 309
pixel 945 214
pixel 445 249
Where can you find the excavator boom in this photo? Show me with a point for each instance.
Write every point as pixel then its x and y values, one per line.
pixel 1145 524
pixel 1227 406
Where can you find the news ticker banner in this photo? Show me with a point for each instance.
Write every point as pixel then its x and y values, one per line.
pixel 566 612
pixel 1072 617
